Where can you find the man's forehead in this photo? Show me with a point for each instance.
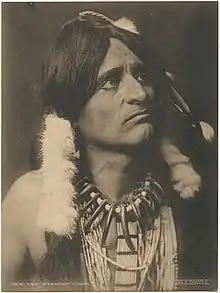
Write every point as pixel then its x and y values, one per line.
pixel 117 56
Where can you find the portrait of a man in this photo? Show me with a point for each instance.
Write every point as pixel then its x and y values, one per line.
pixel 109 157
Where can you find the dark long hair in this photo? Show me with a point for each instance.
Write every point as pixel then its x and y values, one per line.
pixel 70 71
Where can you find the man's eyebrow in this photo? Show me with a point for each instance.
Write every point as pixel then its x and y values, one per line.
pixel 116 71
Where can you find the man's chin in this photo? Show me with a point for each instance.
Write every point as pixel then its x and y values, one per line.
pixel 140 135
pixel 143 132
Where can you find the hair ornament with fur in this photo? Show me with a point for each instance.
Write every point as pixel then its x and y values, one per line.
pixel 123 23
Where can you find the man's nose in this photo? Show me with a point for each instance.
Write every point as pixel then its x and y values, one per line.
pixel 136 93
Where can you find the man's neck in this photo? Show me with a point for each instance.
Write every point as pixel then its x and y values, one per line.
pixel 115 173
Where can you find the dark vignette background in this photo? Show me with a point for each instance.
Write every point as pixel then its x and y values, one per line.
pixel 185 35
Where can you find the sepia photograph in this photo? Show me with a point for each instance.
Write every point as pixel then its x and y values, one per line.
pixel 109 146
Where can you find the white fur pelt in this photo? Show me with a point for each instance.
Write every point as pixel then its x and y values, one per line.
pixel 186 181
pixel 58 212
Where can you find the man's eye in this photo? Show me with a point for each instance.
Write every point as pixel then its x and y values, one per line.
pixel 111 83
pixel 141 77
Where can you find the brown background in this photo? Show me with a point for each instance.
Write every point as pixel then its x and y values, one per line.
pixel 185 35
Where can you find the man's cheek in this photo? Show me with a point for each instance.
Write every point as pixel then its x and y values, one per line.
pixel 99 122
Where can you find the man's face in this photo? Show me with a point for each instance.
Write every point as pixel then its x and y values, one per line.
pixel 120 113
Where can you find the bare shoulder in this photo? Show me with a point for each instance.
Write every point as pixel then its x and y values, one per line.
pixel 25 192
pixel 19 224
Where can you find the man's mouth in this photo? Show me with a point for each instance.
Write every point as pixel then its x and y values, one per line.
pixel 137 115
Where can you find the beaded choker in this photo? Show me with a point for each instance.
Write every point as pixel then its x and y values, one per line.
pixel 143 206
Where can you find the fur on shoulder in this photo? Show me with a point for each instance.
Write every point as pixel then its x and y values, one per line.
pixel 58 213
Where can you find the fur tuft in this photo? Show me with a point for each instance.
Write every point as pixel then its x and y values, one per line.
pixel 126 24
pixel 185 179
pixel 58 213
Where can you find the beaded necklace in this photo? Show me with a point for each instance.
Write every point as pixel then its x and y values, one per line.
pixel 146 239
